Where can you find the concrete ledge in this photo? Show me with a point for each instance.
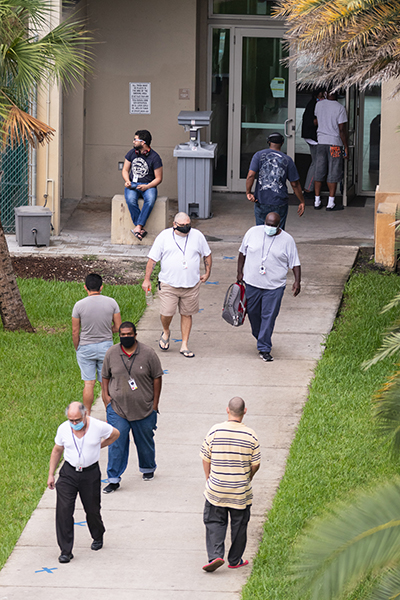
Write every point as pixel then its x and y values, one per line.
pixel 121 222
pixel 386 209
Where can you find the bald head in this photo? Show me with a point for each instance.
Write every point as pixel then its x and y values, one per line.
pixel 272 219
pixel 237 407
pixel 181 218
pixel 75 410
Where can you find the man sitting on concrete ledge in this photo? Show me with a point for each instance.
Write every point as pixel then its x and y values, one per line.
pixel 142 173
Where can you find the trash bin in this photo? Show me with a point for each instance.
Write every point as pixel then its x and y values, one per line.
pixel 195 166
pixel 32 225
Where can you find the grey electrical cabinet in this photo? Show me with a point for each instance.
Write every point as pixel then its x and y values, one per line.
pixel 32 225
pixel 195 166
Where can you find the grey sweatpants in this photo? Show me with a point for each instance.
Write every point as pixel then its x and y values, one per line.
pixel 216 521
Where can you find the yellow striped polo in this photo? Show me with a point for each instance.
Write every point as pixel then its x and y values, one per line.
pixel 232 449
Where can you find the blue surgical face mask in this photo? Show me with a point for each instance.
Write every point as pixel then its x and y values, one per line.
pixel 77 426
pixel 269 230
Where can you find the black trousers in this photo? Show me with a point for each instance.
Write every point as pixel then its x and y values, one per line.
pixel 216 521
pixel 87 484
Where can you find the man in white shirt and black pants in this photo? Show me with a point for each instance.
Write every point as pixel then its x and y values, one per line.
pixel 80 438
pixel 266 254
pixel 179 248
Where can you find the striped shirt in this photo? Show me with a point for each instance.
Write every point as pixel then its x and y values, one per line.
pixel 232 449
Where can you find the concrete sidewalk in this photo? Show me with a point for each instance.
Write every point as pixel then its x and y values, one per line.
pixel 154 546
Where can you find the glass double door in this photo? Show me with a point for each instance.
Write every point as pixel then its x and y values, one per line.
pixel 252 95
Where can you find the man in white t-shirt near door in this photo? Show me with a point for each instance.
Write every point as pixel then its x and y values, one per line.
pixel 331 120
pixel 179 249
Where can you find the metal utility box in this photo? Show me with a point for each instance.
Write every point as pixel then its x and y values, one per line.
pixel 195 166
pixel 32 225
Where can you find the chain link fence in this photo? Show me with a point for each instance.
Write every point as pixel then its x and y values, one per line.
pixel 15 183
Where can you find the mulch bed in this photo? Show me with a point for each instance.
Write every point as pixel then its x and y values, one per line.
pixel 69 268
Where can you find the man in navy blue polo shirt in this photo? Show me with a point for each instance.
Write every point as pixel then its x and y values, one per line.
pixel 142 173
pixel 273 168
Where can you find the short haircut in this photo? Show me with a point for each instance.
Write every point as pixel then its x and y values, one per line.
pixel 126 325
pixel 275 138
pixel 236 406
pixel 181 215
pixel 82 409
pixel 144 135
pixel 93 282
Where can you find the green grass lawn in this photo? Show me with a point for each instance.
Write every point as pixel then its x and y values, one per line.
pixel 335 450
pixel 39 377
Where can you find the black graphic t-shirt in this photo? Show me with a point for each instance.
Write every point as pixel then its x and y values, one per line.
pixel 142 167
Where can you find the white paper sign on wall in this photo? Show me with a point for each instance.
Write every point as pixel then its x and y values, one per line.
pixel 277 86
pixel 139 98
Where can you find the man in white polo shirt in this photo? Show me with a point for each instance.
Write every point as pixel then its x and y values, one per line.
pixel 80 438
pixel 179 249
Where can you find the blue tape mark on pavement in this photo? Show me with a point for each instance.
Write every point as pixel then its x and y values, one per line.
pixel 201 309
pixel 47 570
pixel 176 340
pixel 81 523
pixel 212 282
pixel 165 371
pixel 228 257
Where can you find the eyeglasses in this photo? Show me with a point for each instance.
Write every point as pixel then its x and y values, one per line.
pixel 139 140
pixel 75 421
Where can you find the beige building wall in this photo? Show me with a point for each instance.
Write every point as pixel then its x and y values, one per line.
pixel 153 42
pixel 390 135
pixel 49 156
pixel 387 196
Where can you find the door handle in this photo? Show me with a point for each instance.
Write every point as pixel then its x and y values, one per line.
pixel 285 129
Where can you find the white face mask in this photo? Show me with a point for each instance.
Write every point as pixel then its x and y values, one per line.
pixel 269 230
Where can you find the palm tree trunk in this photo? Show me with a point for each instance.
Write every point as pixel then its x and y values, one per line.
pixel 12 310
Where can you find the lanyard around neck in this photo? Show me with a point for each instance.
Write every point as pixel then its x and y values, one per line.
pixel 186 241
pixel 263 260
pixel 133 360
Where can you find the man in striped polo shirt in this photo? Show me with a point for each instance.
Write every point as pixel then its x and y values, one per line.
pixel 231 458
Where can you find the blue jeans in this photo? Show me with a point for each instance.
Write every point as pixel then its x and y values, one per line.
pixel 132 195
pixel 261 211
pixel 143 436
pixel 262 308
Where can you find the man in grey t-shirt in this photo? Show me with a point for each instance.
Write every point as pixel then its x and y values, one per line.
pixel 94 320
pixel 266 254
pixel 331 119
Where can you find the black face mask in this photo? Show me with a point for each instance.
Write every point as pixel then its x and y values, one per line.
pixel 127 341
pixel 183 228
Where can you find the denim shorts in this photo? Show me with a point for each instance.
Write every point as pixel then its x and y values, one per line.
pixel 329 163
pixel 90 359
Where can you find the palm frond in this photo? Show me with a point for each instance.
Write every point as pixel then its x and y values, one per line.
pixel 353 541
pixel 390 345
pixel 17 126
pixel 386 411
pixel 392 304
pixel 389 587
pixel 344 41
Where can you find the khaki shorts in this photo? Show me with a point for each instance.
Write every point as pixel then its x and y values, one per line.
pixel 186 299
